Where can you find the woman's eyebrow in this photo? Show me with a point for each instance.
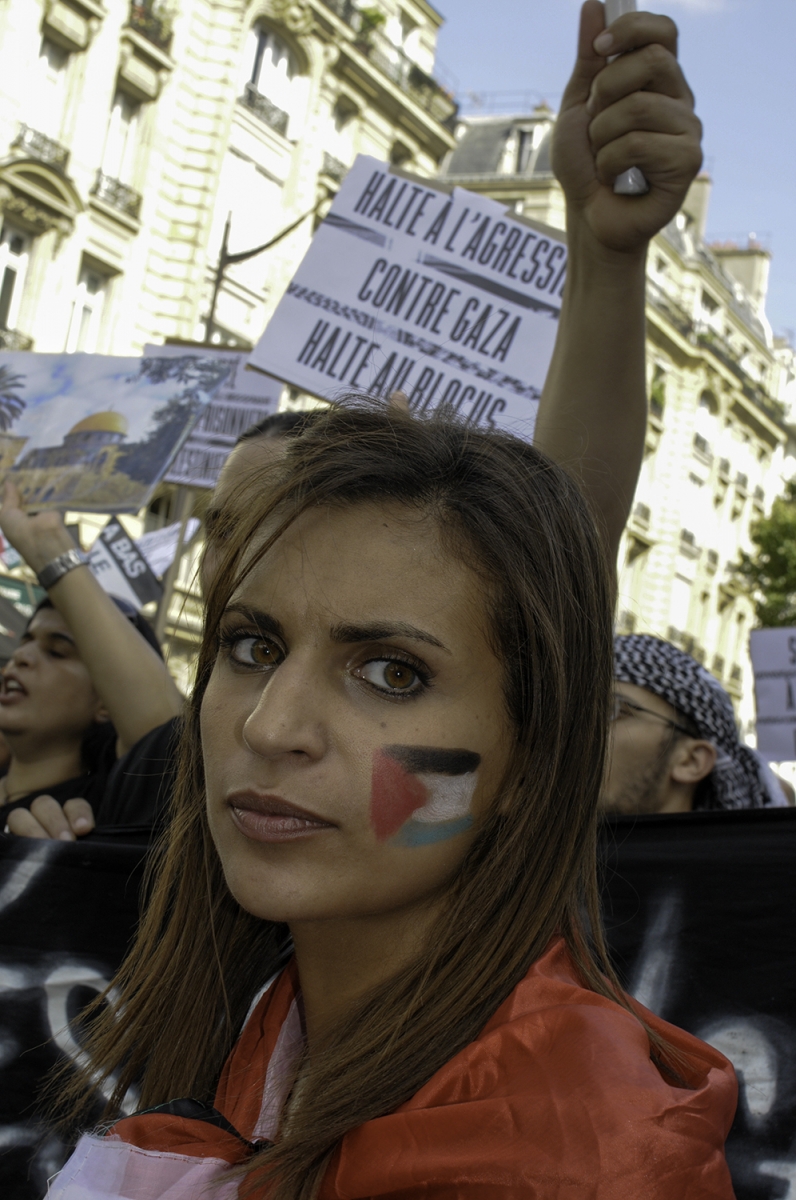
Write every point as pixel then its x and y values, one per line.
pixel 378 631
pixel 264 621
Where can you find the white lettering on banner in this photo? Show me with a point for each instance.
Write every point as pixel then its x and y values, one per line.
pixel 132 562
pixel 121 568
pixel 445 297
pixel 773 654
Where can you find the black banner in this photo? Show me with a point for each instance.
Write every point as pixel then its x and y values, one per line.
pixel 67 912
pixel 701 916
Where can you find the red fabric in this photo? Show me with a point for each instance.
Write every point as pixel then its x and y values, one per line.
pixel 556 1100
pixel 180 1135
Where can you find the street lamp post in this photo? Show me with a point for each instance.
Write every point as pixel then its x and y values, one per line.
pixel 225 259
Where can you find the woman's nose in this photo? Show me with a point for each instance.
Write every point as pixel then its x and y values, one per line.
pixel 286 719
pixel 24 654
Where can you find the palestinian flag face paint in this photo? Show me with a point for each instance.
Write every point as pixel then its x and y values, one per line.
pixel 422 794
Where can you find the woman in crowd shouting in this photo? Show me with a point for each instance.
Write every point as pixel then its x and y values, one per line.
pixel 86 683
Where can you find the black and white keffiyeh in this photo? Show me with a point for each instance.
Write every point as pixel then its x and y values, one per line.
pixel 740 778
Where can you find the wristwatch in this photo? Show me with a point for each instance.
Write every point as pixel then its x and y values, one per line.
pixel 60 566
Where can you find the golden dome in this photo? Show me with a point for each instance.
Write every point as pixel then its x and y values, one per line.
pixel 102 422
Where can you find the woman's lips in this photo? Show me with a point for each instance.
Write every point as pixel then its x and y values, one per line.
pixel 11 691
pixel 265 818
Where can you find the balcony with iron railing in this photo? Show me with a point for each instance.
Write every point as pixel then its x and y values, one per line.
pixel 669 308
pixel 151 21
pixel 117 195
pixel 38 145
pixel 268 112
pixel 721 350
pixel 393 62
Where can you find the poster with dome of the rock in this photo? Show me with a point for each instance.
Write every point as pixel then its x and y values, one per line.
pixel 95 433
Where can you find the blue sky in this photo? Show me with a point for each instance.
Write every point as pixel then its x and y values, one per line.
pixel 62 389
pixel 738 56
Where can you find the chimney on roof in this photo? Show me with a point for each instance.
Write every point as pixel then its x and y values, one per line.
pixel 695 205
pixel 748 264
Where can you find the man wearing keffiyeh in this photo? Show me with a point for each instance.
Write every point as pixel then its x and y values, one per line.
pixel 674 745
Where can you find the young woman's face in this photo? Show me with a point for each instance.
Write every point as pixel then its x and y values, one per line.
pixel 354 728
pixel 46 691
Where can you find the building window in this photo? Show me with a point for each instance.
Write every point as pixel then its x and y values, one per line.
pixel 87 306
pixel 51 87
pixel 409 28
pixel 121 141
pixel 271 75
pixel 14 255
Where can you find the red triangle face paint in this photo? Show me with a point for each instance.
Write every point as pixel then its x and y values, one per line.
pixel 394 796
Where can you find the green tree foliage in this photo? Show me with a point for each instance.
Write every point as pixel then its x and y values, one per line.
pixel 11 403
pixel 144 460
pixel 197 378
pixel 770 572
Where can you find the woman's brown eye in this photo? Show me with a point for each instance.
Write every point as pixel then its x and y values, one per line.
pixel 390 676
pixel 256 652
pixel 397 675
pixel 264 654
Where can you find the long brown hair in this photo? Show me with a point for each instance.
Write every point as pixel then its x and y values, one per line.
pixel 518 521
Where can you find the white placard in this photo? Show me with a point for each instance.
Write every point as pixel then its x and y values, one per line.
pixel 243 399
pixel 774 663
pixel 160 545
pixel 446 297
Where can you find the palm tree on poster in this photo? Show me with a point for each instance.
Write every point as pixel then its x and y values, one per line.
pixel 11 403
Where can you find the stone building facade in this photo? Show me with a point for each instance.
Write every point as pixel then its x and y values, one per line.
pixel 716 446
pixel 130 132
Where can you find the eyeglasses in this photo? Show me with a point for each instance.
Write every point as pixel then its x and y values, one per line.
pixel 622 707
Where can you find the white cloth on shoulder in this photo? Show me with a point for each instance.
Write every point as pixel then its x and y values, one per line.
pixel 106 1168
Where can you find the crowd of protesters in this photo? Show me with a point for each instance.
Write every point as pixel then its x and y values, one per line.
pixel 391 769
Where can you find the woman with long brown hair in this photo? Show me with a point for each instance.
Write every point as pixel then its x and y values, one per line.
pixel 389 783
pixel 371 964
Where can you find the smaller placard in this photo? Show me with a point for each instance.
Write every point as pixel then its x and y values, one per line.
pixel 774 663
pixel 121 568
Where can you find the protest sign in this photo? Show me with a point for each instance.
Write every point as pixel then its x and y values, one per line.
pixel 121 568
pixel 94 433
pixel 444 296
pixel 18 600
pixel 699 909
pixel 160 546
pixel 774 663
pixel 243 399
pixel 23 595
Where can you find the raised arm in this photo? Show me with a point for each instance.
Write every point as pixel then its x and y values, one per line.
pixel 130 679
pixel 635 111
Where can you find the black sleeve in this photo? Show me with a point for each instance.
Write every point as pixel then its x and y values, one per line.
pixel 140 785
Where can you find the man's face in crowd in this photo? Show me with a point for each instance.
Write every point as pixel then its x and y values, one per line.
pixel 652 767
